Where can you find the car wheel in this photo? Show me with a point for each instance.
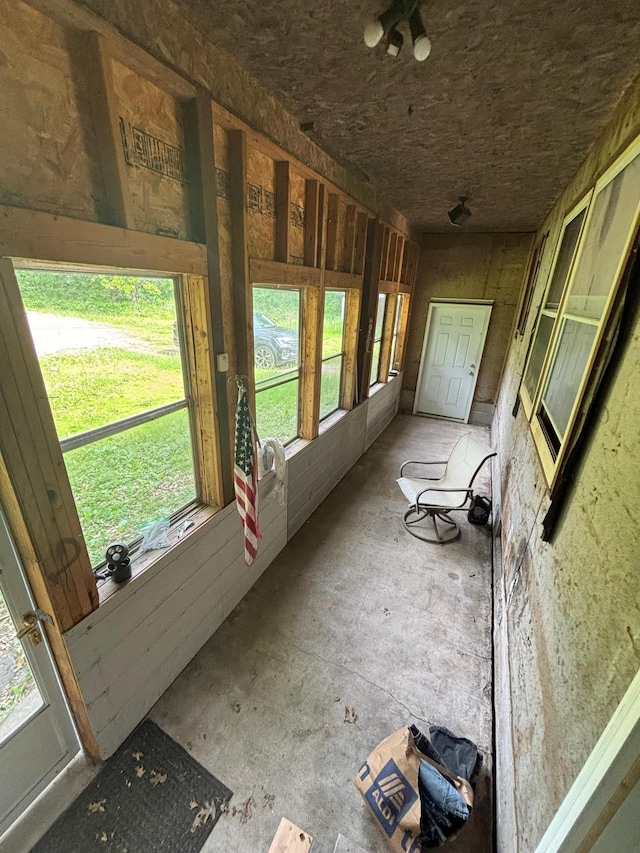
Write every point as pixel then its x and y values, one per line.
pixel 264 358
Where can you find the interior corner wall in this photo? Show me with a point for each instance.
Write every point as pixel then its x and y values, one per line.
pixel 468 266
pixel 567 632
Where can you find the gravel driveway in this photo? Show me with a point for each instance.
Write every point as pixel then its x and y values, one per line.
pixel 52 334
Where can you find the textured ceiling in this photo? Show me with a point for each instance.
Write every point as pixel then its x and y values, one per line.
pixel 503 111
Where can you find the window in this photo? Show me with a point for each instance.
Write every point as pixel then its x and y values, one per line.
pixel 563 260
pixel 110 354
pixel 276 330
pixel 377 338
pixel 581 312
pixel 332 351
pixel 532 279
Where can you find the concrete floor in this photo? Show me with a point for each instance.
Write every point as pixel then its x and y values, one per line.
pixel 354 613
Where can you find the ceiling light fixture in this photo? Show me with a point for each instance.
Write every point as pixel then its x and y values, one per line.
pixel 387 25
pixel 460 214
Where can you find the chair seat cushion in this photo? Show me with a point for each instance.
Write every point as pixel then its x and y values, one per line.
pixel 411 488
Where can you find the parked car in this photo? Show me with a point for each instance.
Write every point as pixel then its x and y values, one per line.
pixel 274 346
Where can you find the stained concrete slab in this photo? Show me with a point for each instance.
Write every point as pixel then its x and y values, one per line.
pixel 343 845
pixel 358 620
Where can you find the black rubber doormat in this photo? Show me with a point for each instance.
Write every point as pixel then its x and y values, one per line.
pixel 150 797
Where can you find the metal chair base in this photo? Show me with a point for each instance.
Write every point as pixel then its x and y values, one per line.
pixel 447 535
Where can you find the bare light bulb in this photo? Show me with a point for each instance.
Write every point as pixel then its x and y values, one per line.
pixel 373 33
pixel 422 48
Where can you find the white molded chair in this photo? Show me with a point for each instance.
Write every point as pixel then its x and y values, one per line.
pixel 437 497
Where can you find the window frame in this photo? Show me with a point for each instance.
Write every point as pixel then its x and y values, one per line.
pixel 553 465
pixel 529 403
pixel 377 378
pixel 191 297
pixel 299 377
pixel 342 353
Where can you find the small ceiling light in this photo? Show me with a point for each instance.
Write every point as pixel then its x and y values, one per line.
pixel 460 214
pixel 421 41
pixel 387 25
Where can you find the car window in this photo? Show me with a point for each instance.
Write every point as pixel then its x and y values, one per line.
pixel 261 321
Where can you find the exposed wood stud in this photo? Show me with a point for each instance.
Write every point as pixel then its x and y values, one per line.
pixel 386 239
pixel 322 215
pixel 400 249
pixel 242 294
pixel 59 239
pixel 209 316
pixel 349 368
pixel 283 201
pixel 36 469
pixel 289 275
pixel 311 206
pixel 387 273
pixel 403 328
pixel 97 71
pixel 349 237
pixel 342 280
pixel 368 306
pixel 362 221
pixel 333 211
pixel 311 371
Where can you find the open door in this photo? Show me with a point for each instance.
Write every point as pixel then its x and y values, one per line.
pixel 37 735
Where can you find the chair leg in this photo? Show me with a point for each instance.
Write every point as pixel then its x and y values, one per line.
pixel 420 514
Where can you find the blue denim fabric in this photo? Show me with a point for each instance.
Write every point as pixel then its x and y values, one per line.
pixel 442 791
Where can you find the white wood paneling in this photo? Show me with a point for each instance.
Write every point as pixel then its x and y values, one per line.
pixel 382 409
pixel 319 467
pixel 128 651
pixel 131 648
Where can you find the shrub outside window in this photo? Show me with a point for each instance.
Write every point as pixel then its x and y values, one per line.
pixel 332 351
pixel 377 338
pixel 276 334
pixel 109 351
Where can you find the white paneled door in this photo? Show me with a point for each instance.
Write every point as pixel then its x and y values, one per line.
pixel 37 736
pixel 454 340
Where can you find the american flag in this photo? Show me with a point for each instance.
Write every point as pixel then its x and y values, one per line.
pixel 245 479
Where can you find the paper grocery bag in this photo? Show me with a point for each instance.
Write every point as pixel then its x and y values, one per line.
pixel 388 781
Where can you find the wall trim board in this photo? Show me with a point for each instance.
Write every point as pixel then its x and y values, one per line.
pixel 612 758
pixel 47 237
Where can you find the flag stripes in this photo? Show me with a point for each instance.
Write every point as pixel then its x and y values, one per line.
pixel 245 477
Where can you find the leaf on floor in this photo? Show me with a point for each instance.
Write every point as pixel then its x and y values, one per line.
pixel 350 715
pixel 208 810
pixel 386 611
pixel 140 771
pixel 244 811
pixel 236 707
pixel 269 800
pixel 98 806
pixel 157 778
pixel 137 755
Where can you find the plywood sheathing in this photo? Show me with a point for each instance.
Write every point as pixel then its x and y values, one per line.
pixel 261 220
pixel 469 266
pixel 504 109
pixel 45 143
pixel 159 203
pixel 296 231
pixel 165 29
pixel 571 605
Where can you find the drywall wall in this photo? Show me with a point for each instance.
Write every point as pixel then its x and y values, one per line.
pixel 568 616
pixel 127 652
pixel 468 266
